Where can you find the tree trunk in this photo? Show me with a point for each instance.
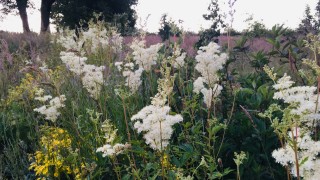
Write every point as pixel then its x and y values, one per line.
pixel 22 7
pixel 45 15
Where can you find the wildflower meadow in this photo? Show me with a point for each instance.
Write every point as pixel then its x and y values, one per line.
pixel 91 103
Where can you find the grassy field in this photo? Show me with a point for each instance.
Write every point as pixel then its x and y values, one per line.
pixel 101 106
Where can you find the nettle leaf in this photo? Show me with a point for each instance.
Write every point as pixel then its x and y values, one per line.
pixel 186 148
pixel 271 41
pixel 263 90
pixel 260 124
pixel 215 129
pixel 176 162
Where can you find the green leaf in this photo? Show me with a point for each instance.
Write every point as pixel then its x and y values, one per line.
pixel 303 161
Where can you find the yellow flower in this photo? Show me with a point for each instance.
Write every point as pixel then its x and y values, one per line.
pixel 53 142
pixel 28 86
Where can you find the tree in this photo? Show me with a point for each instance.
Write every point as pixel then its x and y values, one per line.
pixel 317 17
pixel 45 10
pixel 10 6
pixel 307 24
pixel 215 17
pixel 69 13
pixel 168 28
pixel 257 29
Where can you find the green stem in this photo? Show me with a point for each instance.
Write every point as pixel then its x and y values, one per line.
pixel 238 172
pixel 295 148
pixel 227 123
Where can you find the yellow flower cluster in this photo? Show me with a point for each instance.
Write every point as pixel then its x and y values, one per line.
pixel 26 89
pixel 51 159
pixel 165 162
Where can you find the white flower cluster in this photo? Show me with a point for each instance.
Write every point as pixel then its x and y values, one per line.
pixel 179 60
pixel 210 93
pixel 145 57
pixel 50 111
pixel 73 62
pixel 308 152
pixel 209 62
pixel 68 40
pixel 109 150
pixel 91 40
pixel 303 105
pixel 96 38
pixel 40 97
pixel 116 41
pixel 303 97
pixel 132 76
pixel 156 122
pixel 283 83
pixel 91 75
pixel 110 134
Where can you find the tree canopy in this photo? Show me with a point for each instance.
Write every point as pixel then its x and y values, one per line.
pixel 69 13
pixel 216 19
pixel 307 24
pixel 16 6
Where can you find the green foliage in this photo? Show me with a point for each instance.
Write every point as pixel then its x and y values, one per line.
pixel 215 17
pixel 11 6
pixel 66 13
pixel 257 29
pixel 168 28
pixel 307 24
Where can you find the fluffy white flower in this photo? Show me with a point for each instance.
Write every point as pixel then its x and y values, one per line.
pixel 109 150
pixel 145 57
pixel 284 156
pixel 92 79
pixel 44 98
pixel 116 41
pixel 209 94
pixel 129 66
pixel 118 65
pixel 154 120
pixel 209 62
pixel 157 124
pixel 68 41
pixel 51 111
pixel 198 84
pixel 74 62
pixel 179 61
pixel 308 150
pixel 132 77
pixel 39 92
pixel 133 80
pixel 283 83
pixel 95 38
pixel 91 75
pixel 303 96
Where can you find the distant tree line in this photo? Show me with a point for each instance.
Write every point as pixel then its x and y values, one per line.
pixel 309 24
pixel 69 13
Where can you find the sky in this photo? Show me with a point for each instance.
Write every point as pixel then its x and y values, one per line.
pixel 269 12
